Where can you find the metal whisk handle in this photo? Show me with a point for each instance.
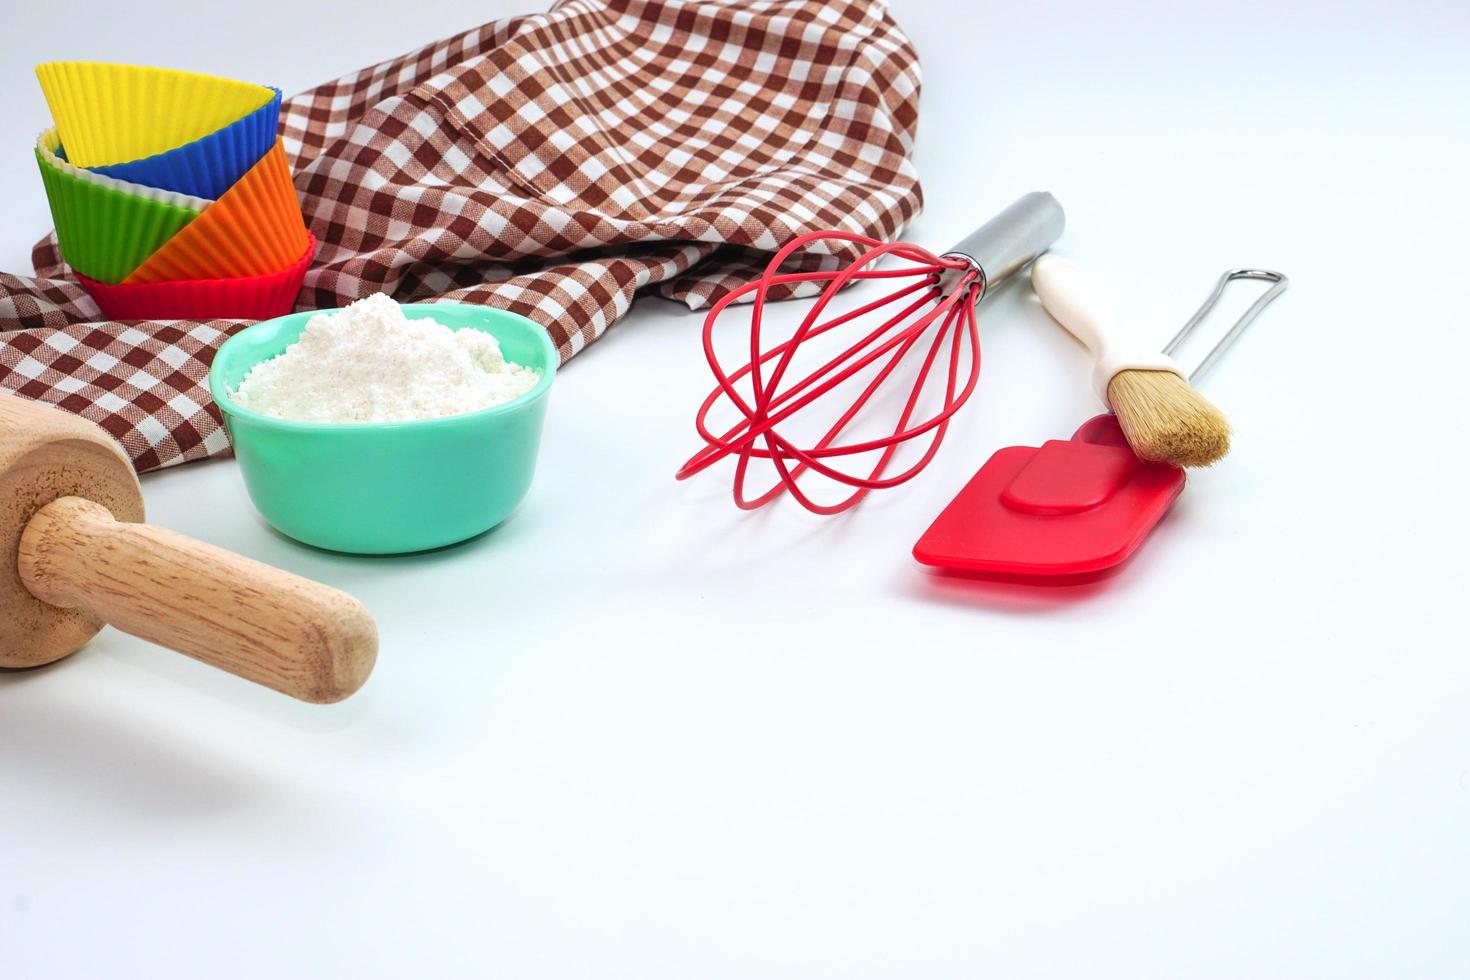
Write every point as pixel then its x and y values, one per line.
pixel 1004 244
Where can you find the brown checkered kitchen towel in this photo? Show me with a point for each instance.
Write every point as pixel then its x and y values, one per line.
pixel 553 165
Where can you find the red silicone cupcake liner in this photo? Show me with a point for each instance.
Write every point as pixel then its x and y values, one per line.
pixel 247 298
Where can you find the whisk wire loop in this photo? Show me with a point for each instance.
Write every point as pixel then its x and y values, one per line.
pixel 948 286
pixel 890 444
pixel 939 303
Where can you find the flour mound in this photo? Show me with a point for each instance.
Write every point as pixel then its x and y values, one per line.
pixel 370 363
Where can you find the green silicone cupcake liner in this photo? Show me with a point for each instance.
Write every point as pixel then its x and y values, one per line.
pixel 107 227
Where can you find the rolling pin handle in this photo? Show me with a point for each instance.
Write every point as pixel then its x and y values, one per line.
pixel 260 623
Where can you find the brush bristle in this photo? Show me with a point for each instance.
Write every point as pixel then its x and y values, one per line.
pixel 1167 420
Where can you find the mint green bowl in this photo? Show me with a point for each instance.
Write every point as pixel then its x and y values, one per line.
pixel 390 487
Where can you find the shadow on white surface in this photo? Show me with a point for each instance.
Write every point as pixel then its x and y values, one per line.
pixel 139 766
pixel 958 588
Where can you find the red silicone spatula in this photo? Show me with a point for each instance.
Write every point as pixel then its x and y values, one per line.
pixel 1071 509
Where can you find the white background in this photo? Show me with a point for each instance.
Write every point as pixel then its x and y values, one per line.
pixel 635 733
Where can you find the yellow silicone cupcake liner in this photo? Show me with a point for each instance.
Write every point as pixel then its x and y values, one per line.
pixel 109 114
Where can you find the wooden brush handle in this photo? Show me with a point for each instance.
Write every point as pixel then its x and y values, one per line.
pixel 1074 301
pixel 260 623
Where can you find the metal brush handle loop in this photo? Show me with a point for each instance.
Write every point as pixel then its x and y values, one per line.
pixel 1246 318
pixel 1007 242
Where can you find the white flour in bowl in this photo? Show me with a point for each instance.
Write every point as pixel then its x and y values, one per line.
pixel 370 363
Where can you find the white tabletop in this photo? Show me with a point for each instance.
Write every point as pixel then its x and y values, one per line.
pixel 635 733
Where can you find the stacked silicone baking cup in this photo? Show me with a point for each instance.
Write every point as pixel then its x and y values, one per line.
pixel 171 192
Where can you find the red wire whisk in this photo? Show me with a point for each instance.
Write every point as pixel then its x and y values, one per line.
pixel 926 326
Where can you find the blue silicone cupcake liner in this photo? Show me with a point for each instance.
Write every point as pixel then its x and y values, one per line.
pixel 210 165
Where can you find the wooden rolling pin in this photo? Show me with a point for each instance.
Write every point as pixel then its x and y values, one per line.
pixel 75 555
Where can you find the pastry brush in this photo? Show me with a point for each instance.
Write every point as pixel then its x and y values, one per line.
pixel 1163 418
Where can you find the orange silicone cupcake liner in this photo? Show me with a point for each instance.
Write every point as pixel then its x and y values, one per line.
pixel 254 229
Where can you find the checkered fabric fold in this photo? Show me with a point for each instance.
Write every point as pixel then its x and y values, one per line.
pixel 554 165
